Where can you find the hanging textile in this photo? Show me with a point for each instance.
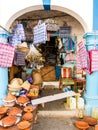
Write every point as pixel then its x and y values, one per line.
pixel 69 44
pixel 18 35
pixel 93 55
pixel 6 55
pixel 70 57
pixel 82 58
pixel 20 58
pixel 40 34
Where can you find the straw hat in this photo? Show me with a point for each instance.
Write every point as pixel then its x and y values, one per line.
pixel 15 83
pixel 23 47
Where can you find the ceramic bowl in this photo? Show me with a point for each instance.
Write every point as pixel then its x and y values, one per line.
pixel 90 120
pixel 96 127
pixel 82 125
pixel 10 103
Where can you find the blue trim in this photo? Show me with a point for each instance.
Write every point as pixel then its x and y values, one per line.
pixel 46 4
pixel 95 14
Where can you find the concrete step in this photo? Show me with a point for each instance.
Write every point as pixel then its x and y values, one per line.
pixel 66 113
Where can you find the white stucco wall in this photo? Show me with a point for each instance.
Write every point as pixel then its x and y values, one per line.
pixel 81 10
pixel 11 9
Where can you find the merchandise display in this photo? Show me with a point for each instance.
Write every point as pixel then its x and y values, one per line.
pixel 16 114
pixel 36 64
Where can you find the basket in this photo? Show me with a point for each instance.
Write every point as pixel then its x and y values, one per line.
pixel 23 49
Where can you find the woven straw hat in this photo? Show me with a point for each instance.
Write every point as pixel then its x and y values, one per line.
pixel 23 47
pixel 15 83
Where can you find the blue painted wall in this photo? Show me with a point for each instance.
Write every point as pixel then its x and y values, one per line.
pixel 95 14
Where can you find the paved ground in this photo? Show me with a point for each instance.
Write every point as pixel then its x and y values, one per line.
pixel 56 123
pixel 54 116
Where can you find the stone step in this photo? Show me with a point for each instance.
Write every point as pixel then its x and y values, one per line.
pixel 66 113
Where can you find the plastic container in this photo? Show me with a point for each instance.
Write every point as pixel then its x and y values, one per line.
pixel 71 103
pixel 94 113
pixel 80 103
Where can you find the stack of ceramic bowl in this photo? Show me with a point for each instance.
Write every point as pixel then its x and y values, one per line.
pixel 3 111
pixel 10 100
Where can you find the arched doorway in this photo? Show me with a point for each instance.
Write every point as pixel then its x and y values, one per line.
pixel 38 8
pixel 68 16
pixel 61 15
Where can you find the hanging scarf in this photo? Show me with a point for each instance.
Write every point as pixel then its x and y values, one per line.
pixel 82 58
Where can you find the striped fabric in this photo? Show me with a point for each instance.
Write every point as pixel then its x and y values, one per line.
pixel 93 54
pixel 19 58
pixel 6 55
pixel 82 57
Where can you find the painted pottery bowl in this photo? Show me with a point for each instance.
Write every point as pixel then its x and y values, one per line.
pixel 90 120
pixel 82 125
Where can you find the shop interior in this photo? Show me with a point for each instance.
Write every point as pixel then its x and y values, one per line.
pixel 53 60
